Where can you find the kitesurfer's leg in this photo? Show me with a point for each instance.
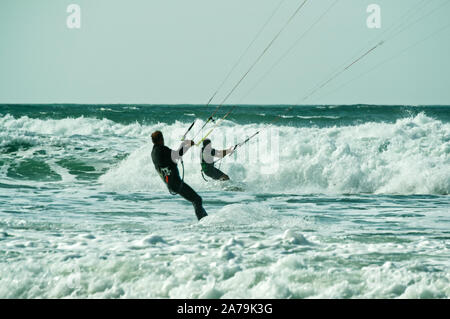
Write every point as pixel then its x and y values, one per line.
pixel 189 194
pixel 216 174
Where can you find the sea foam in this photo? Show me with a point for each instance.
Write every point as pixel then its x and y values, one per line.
pixel 410 156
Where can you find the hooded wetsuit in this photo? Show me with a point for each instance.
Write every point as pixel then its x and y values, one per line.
pixel 168 170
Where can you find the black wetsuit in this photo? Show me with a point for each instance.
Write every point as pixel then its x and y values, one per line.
pixel 168 170
pixel 208 164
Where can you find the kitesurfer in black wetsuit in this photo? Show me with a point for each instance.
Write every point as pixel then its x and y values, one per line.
pixel 207 155
pixel 165 160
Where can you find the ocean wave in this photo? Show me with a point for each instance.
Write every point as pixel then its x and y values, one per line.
pixel 410 156
pixel 318 117
pixel 70 126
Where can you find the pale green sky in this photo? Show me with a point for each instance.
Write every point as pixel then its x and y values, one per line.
pixel 178 51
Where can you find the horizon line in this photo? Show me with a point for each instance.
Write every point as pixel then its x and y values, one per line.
pixel 215 105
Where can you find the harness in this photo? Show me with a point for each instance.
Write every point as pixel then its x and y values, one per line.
pixel 165 172
pixel 203 164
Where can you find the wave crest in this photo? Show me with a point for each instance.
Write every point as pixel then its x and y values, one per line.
pixel 410 156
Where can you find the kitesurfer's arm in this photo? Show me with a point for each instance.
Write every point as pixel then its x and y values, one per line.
pixel 184 147
pixel 221 154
